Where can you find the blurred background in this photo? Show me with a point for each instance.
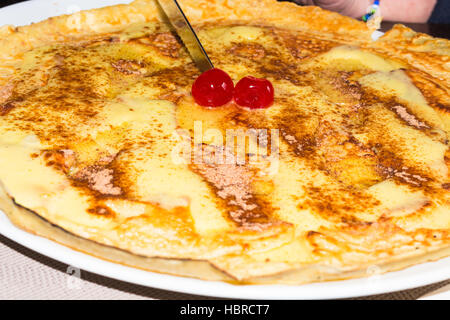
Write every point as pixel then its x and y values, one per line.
pixel 436 30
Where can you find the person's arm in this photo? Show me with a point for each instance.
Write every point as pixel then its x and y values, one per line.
pixel 391 10
pixel 418 11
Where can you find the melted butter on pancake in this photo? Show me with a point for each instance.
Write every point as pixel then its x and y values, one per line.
pixel 363 148
pixel 349 58
pixel 229 35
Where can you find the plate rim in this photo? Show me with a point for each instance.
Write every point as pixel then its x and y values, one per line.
pixel 359 287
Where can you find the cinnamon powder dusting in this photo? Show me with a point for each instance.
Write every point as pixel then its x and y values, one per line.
pixel 410 119
pixel 5 92
pixel 165 42
pixel 129 67
pixel 99 179
pixel 233 184
pixel 346 86
pixel 5 108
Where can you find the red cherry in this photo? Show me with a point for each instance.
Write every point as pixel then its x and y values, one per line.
pixel 213 88
pixel 254 93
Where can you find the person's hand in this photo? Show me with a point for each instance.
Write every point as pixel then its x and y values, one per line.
pixel 418 11
pixel 351 8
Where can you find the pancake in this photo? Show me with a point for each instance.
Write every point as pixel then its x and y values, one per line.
pixel 103 149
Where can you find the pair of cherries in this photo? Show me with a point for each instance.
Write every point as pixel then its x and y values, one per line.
pixel 215 88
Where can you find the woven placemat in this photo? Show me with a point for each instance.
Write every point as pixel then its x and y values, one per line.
pixel 25 274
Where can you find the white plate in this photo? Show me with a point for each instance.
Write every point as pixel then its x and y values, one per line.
pixel 427 273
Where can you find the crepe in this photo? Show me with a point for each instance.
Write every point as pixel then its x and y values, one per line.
pixel 346 173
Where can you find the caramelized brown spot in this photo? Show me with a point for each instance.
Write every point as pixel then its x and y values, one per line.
pixel 301 146
pixel 129 66
pixel 345 85
pixel 101 211
pixel 337 204
pixel 6 92
pixel 166 43
pixel 310 234
pixel 298 128
pixel 253 51
pixel 62 159
pixel 436 95
pixel 69 99
pixel 182 76
pixel 390 166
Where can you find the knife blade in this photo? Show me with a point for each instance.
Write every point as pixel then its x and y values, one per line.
pixel 181 24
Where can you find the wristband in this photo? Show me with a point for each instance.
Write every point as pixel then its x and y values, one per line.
pixel 373 16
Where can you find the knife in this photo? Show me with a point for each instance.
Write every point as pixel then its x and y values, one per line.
pixel 187 34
